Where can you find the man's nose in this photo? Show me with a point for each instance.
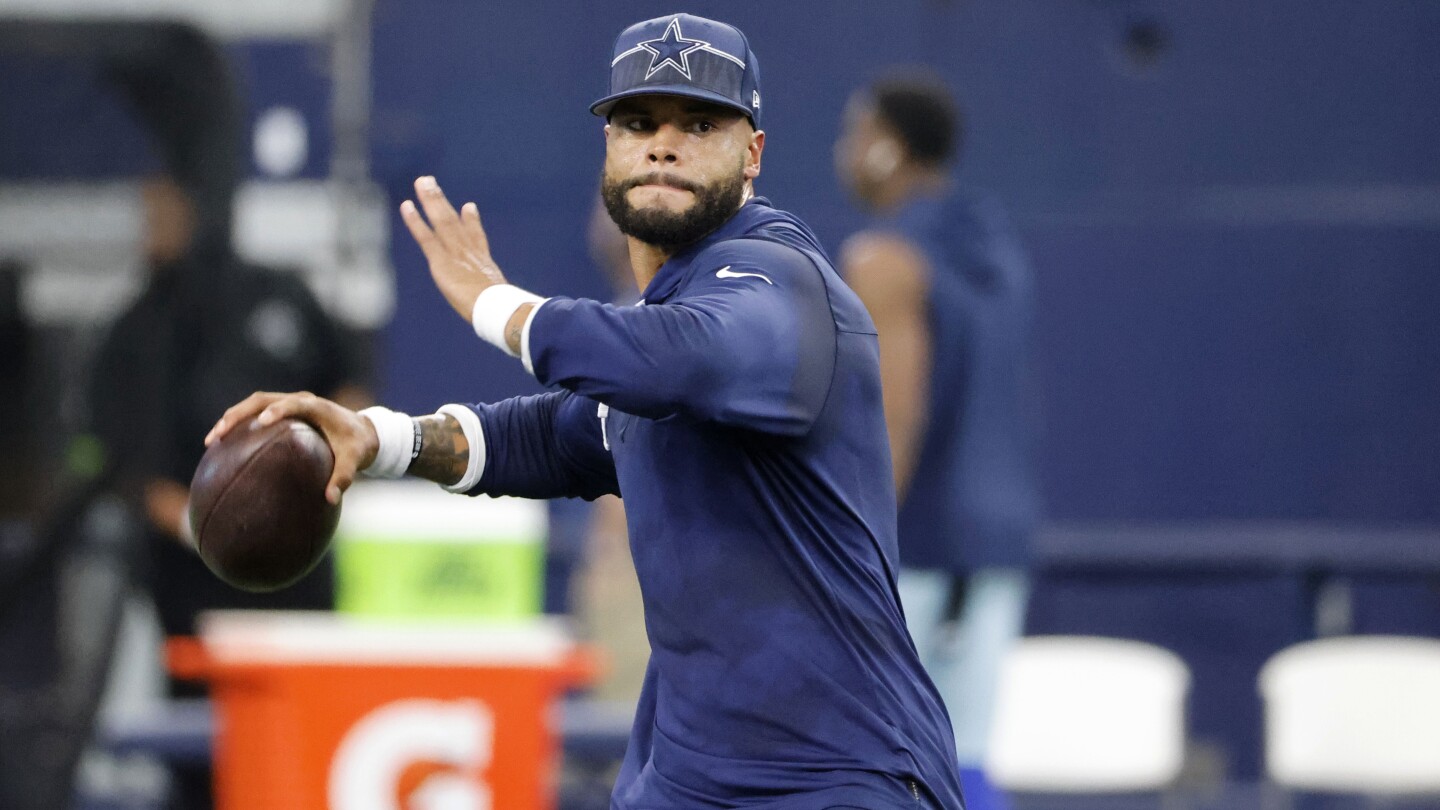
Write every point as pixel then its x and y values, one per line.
pixel 665 145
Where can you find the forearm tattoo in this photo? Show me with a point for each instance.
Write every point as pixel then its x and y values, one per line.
pixel 444 452
pixel 512 333
pixel 515 327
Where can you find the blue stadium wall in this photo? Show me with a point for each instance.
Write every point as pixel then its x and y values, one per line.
pixel 1236 230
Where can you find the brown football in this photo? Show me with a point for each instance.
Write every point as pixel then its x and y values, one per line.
pixel 257 504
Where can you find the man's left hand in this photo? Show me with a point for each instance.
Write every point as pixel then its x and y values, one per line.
pixel 454 244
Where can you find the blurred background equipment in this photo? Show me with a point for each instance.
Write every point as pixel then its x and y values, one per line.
pixel 410 550
pixel 1357 715
pixel 382 715
pixel 99 97
pixel 1085 715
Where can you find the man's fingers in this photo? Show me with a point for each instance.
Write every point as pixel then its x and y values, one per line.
pixel 239 413
pixel 473 231
pixel 443 219
pixel 300 406
pixel 340 479
pixel 268 408
pixel 470 226
pixel 455 245
pixel 424 237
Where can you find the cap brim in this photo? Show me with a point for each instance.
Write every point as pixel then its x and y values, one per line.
pixel 603 106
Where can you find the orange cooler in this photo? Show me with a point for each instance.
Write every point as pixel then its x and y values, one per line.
pixel 326 712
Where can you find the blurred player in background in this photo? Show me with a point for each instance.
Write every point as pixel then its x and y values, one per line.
pixel 950 291
pixel 739 411
pixel 206 330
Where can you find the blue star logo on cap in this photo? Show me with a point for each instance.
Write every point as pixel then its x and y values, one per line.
pixel 672 49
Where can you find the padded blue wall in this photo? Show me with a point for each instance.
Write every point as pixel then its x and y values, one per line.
pixel 1236 245
pixel 1236 242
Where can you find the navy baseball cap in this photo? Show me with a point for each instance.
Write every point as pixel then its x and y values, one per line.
pixel 685 55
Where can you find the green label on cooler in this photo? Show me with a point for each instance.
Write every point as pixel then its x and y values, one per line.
pixel 491 580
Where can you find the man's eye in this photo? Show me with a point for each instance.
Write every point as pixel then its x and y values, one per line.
pixel 703 126
pixel 636 124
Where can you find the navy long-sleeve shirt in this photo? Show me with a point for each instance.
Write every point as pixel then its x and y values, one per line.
pixel 738 412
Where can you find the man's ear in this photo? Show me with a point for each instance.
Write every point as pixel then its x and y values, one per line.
pixel 753 154
pixel 882 158
pixel 606 130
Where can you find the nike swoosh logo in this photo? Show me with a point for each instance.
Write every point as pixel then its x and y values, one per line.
pixel 726 272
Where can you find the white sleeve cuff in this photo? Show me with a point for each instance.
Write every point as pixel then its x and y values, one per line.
pixel 492 311
pixel 475 437
pixel 525 338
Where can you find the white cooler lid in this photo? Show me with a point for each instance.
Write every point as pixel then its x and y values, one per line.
pixel 255 636
pixel 412 510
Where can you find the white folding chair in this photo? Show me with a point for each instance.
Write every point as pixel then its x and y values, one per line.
pixel 1357 714
pixel 1080 714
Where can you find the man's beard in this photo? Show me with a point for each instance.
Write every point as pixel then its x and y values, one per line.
pixel 669 230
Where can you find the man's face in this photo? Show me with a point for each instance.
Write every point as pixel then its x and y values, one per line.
pixel 676 168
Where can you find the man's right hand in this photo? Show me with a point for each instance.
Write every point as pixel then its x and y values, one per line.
pixel 454 244
pixel 351 436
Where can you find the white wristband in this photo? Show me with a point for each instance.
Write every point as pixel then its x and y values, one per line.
pixel 475 438
pixel 397 442
pixel 525 338
pixel 493 308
